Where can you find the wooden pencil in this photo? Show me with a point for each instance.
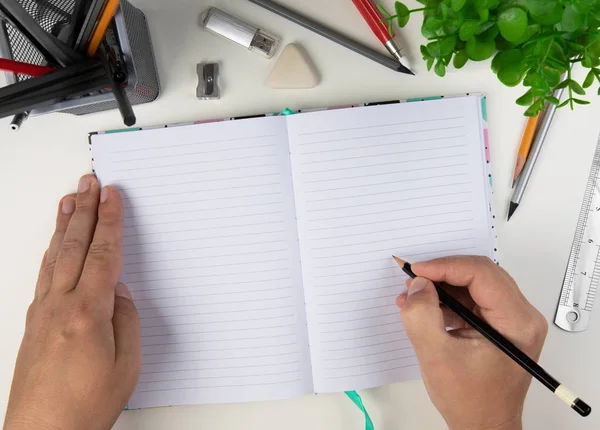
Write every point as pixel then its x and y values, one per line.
pixel 102 26
pixel 525 147
pixel 505 346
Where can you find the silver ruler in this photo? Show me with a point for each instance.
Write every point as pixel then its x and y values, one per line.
pixel 583 271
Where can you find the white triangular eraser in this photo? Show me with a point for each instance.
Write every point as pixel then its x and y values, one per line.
pixel 293 71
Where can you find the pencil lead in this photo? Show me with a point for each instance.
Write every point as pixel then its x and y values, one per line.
pixel 399 260
pixel 512 209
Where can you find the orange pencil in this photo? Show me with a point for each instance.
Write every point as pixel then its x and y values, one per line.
pixel 102 26
pixel 526 146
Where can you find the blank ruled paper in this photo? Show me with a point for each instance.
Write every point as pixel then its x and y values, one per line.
pixel 405 179
pixel 259 251
pixel 211 256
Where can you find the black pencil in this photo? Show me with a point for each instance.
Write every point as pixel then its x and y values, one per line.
pixel 505 346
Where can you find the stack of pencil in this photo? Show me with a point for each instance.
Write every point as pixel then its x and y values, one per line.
pixel 533 139
pixel 525 147
pixel 77 60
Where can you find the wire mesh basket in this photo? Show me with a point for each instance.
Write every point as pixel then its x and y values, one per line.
pixel 128 36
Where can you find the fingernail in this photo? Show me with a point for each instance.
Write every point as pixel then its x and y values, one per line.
pixel 418 284
pixel 68 206
pixel 84 184
pixel 123 291
pixel 104 194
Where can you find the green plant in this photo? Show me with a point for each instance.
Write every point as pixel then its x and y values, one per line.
pixel 534 42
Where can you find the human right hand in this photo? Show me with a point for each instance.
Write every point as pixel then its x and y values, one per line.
pixel 471 382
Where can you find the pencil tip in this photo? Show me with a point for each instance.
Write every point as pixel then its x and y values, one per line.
pixel 399 260
pixel 512 209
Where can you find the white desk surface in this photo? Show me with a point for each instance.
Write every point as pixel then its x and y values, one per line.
pixel 44 160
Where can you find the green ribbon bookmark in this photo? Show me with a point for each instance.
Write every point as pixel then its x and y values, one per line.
pixel 355 397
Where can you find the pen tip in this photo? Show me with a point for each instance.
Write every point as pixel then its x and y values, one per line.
pixel 512 209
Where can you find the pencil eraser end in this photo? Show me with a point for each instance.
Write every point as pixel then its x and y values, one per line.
pixel 582 408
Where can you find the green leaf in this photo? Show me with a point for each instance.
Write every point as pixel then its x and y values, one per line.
pixel 484 14
pixel 532 30
pixel 425 53
pixel 442 47
pixel 563 104
pixel 552 100
pixel 526 99
pixel 581 102
pixel 402 20
pixel 589 61
pixel 557 53
pixel 575 46
pixel 383 10
pixel 540 7
pixel 599 91
pixel 572 20
pixel 506 59
pixel 513 23
pixel 484 26
pixel 576 88
pixel 512 75
pixel 430 62
pixel 552 76
pixel 480 50
pixel 467 30
pixel 563 84
pixel 432 28
pixel 584 6
pixel 460 59
pixel 533 110
pixel 440 69
pixel 402 14
pixel 537 82
pixel 594 49
pixel 401 9
pixel 457 5
pixel 490 34
pixel 550 18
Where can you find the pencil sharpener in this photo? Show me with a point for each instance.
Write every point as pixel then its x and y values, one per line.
pixel 208 81
pixel 240 32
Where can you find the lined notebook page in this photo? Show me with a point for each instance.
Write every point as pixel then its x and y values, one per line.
pixel 211 256
pixel 404 179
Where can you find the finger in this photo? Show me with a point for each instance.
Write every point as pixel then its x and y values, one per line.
pixel 462 294
pixel 42 266
pixel 103 263
pixel 423 319
pixel 66 208
pixel 489 286
pixel 452 320
pixel 128 345
pixel 78 236
pixel 401 300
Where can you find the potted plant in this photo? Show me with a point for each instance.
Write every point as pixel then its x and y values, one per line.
pixel 533 42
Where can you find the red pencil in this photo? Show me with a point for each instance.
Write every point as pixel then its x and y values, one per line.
pixel 374 19
pixel 24 68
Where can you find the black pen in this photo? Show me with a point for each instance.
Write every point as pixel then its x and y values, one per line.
pixel 505 346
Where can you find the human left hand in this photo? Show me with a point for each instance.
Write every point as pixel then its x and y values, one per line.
pixel 81 354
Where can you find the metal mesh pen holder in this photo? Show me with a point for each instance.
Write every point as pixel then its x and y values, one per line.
pixel 128 36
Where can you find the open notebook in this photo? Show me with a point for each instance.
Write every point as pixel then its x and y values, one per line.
pixel 259 251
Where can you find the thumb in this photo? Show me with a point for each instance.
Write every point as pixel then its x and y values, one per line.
pixel 128 342
pixel 423 318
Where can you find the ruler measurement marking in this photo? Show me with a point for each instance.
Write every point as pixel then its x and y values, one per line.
pixel 582 287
